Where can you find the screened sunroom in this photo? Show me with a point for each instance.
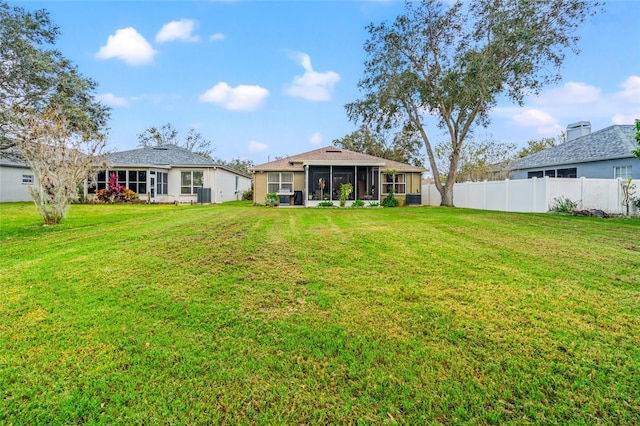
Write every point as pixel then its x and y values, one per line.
pixel 323 182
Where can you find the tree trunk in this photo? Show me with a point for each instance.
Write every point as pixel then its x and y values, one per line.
pixel 446 195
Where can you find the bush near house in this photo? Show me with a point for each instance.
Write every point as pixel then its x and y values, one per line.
pixel 115 192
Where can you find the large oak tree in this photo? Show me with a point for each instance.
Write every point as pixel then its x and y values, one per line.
pixel 36 78
pixel 453 61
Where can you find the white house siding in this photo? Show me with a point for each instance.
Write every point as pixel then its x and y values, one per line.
pixel 225 186
pixel 11 187
pixel 221 182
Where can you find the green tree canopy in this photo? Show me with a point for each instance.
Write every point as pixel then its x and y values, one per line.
pixel 537 145
pixel 479 160
pixel 403 147
pixel 453 61
pixel 36 78
pixel 168 135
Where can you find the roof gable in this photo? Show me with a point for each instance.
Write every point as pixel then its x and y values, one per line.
pixel 332 155
pixel 611 142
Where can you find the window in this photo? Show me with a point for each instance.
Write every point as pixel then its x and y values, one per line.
pixel 622 172
pixel 237 182
pixel 27 179
pixel 567 173
pixel 190 181
pixel 162 183
pixel 550 173
pixel 537 174
pixel 394 182
pixel 137 181
pixel 280 182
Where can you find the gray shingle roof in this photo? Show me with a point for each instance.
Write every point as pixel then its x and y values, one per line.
pixel 167 155
pixel 331 154
pixel 609 143
pixel 11 157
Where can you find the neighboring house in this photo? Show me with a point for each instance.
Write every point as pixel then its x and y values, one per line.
pixel 604 154
pixel 15 178
pixel 168 174
pixel 307 179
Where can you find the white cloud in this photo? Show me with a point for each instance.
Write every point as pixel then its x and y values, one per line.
pixel 625 118
pixel 257 147
pixel 544 122
pixel 572 93
pixel 178 30
pixel 630 90
pixel 316 139
pixel 128 45
pixel 533 117
pixel 216 37
pixel 242 97
pixel 112 100
pixel 312 85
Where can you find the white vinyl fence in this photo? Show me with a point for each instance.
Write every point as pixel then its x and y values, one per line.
pixel 534 195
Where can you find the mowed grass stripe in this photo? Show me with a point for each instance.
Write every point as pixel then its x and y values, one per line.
pixel 246 315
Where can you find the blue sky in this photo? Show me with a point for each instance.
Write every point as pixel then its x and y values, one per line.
pixel 263 79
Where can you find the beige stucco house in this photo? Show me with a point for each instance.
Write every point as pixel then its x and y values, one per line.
pixel 307 179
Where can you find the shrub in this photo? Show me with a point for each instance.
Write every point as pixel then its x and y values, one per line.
pixel 390 200
pixel 345 190
pixel 248 195
pixel 374 204
pixel 271 199
pixel 563 204
pixel 115 192
pixel 325 204
pixel 357 203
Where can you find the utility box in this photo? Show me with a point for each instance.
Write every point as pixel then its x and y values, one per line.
pixel 413 199
pixel 204 195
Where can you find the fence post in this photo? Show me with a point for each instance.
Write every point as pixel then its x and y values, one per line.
pixel 484 195
pixel 547 190
pixel 619 192
pixel 534 181
pixel 506 195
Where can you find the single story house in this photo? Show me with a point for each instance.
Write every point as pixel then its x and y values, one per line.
pixel 168 174
pixel 309 178
pixel 603 154
pixel 15 178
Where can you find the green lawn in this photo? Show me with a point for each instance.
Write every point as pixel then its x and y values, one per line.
pixel 234 314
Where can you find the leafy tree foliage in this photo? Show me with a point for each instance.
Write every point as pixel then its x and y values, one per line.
pixel 538 145
pixel 36 78
pixel 453 61
pixel 168 135
pixel 404 147
pixel 479 160
pixel 636 151
pixel 239 164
